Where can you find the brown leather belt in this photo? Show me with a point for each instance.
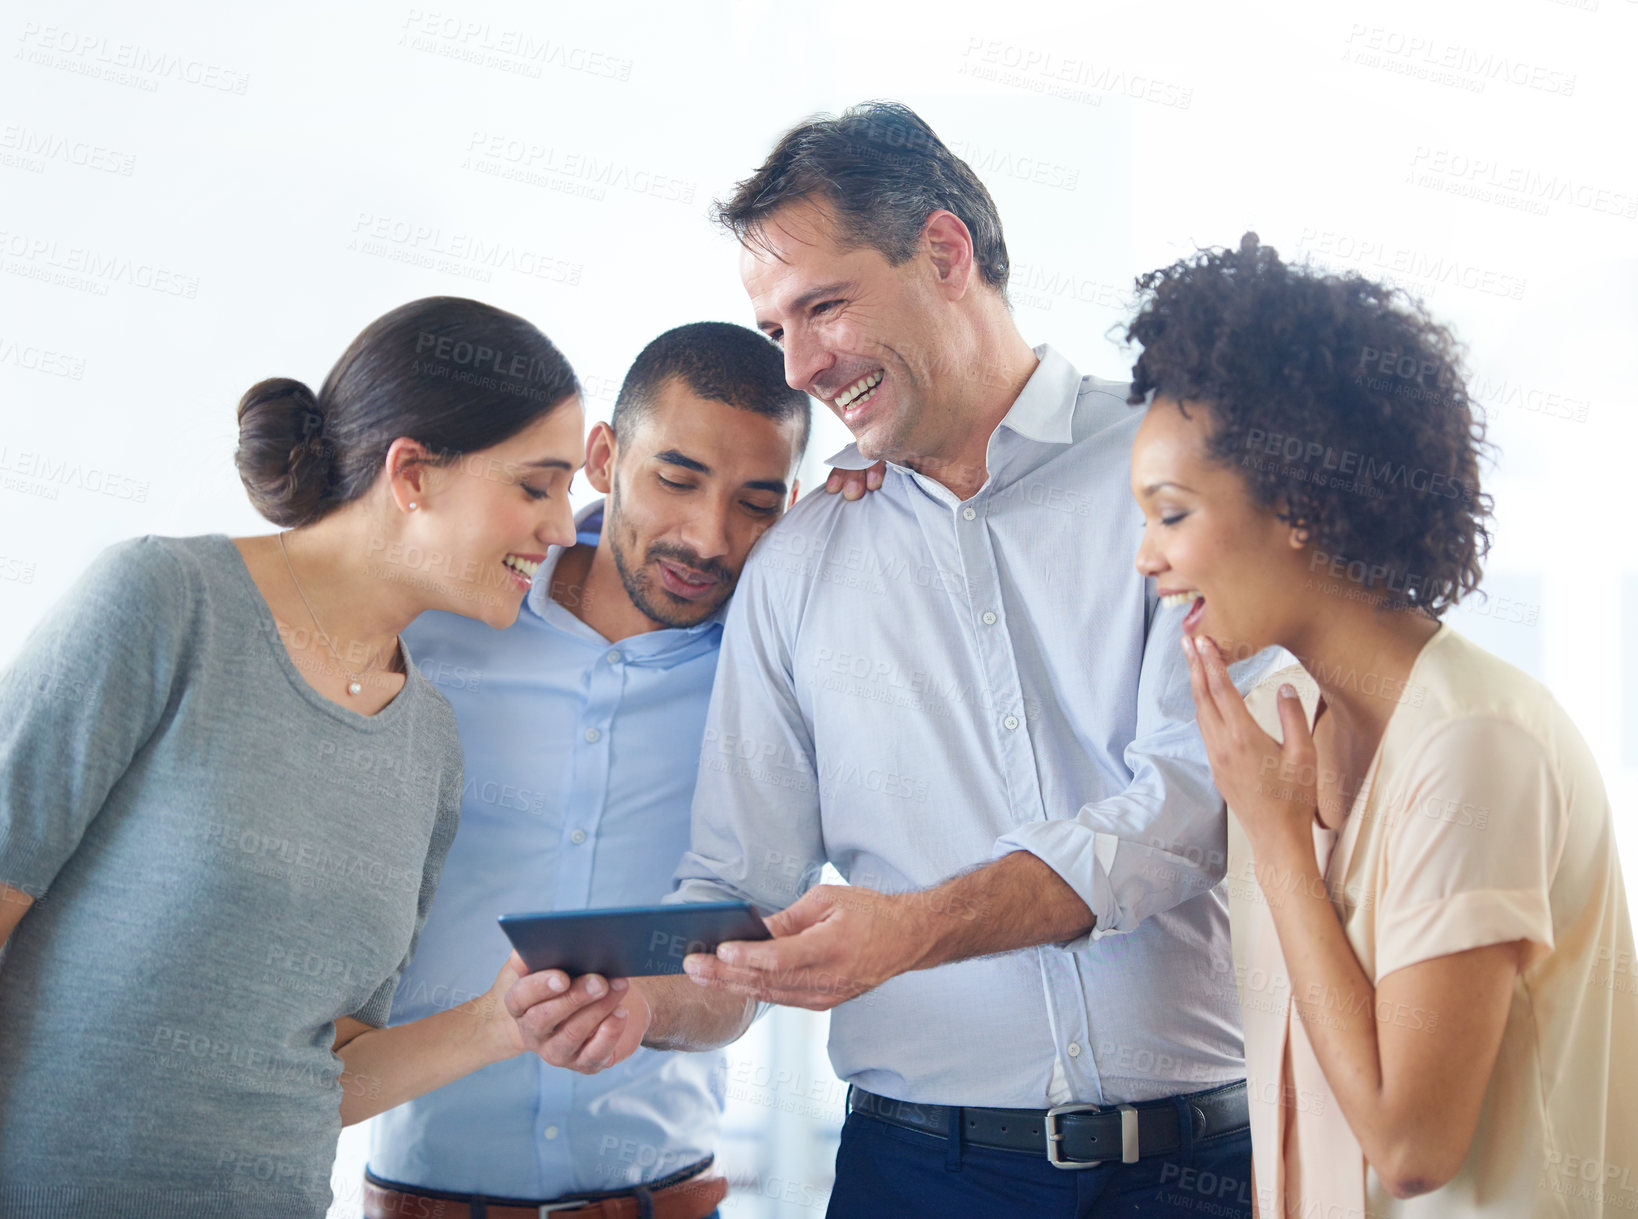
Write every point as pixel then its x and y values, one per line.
pixel 689 1194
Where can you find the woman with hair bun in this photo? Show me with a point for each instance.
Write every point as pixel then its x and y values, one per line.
pixel 226 792
pixel 1430 933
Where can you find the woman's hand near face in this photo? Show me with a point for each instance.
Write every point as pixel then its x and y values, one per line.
pixel 1409 1059
pixel 1269 784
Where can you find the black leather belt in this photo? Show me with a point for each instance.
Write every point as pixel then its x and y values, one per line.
pixel 1072 1136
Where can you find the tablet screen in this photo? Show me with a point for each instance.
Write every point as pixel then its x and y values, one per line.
pixel 629 942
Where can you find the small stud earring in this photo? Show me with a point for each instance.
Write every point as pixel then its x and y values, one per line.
pixel 413 505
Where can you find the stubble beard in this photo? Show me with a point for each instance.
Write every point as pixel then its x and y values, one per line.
pixel 655 603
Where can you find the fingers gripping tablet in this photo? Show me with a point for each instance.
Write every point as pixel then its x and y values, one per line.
pixel 631 942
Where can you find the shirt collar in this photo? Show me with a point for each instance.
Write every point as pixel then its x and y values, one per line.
pixel 588 529
pixel 1044 410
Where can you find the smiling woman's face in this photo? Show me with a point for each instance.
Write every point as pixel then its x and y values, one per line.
pixel 1233 563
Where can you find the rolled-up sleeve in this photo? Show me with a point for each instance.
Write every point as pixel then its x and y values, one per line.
pixel 1163 839
pixel 1474 844
pixel 755 833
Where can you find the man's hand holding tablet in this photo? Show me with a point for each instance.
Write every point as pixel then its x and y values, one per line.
pixel 575 1004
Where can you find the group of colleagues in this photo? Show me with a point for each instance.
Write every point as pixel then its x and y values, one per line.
pixel 1395 977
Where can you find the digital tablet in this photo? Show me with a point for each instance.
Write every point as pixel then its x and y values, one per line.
pixel 629 942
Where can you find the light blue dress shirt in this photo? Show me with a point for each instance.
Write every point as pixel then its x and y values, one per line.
pixel 580 764
pixel 912 685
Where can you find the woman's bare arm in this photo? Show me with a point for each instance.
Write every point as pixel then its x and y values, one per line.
pixel 386 1067
pixel 14 903
pixel 1408 1059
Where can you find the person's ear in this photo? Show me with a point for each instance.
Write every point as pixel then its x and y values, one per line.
pixel 1297 531
pixel 949 246
pixel 409 473
pixel 796 488
pixel 602 451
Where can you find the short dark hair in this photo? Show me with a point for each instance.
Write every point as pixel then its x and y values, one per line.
pixel 720 361
pixel 1336 395
pixel 884 171
pixel 457 375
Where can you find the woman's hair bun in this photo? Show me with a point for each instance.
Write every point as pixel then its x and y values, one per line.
pixel 454 375
pixel 284 459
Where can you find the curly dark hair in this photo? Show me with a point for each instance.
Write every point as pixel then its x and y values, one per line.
pixel 1342 404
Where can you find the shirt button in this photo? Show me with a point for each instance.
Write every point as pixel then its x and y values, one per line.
pixel 968 513
pixel 593 735
pixel 551 1132
pixel 1074 1049
pixel 577 838
pixel 614 658
pixel 1010 723
pixel 989 617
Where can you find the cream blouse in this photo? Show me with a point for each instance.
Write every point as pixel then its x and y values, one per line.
pixel 1482 820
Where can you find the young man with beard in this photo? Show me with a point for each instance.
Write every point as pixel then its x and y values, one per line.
pixel 581 728
pixel 960 694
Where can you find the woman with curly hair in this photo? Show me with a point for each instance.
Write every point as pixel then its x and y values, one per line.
pixel 1431 937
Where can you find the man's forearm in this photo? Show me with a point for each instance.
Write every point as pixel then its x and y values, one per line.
pixel 1016 902
pixel 688 1017
pixel 835 943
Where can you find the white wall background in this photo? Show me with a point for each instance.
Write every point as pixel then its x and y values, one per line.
pixel 193 197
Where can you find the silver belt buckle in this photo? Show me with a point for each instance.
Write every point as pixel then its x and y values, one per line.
pixel 546 1208
pixel 1055 1136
